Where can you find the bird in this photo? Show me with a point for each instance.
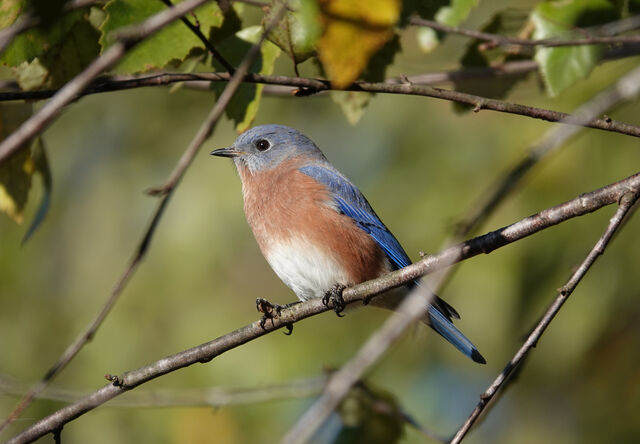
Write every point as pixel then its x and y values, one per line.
pixel 316 229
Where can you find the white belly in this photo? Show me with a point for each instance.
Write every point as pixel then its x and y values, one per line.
pixel 304 268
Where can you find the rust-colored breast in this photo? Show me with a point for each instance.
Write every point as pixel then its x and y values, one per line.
pixel 283 203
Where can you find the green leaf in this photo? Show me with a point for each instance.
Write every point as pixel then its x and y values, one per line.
pixel 9 11
pixel 456 12
pixel 42 167
pixel 499 86
pixel 562 67
pixel 16 171
pixel 243 106
pixel 447 12
pixel 352 103
pixel 47 57
pixel 173 42
pixel 297 31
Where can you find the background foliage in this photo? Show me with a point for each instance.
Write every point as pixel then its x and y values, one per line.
pixel 421 162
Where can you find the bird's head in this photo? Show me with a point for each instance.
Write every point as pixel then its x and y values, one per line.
pixel 265 147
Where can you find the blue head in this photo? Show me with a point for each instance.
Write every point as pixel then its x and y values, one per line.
pixel 267 146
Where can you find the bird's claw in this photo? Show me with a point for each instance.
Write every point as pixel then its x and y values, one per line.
pixel 334 295
pixel 268 310
pixel 271 311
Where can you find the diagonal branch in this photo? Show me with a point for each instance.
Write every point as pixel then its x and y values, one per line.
pixel 501 40
pixel 203 133
pixel 125 40
pixel 626 202
pixel 579 206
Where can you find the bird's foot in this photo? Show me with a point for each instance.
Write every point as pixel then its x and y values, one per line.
pixel 334 295
pixel 272 311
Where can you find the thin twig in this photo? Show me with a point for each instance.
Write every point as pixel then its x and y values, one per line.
pixel 477 102
pixel 196 30
pixel 29 20
pixel 125 39
pixel 202 134
pixel 196 397
pixel 579 206
pixel 626 202
pixel 515 41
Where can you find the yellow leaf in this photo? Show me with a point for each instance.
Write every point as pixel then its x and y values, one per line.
pixel 16 171
pixel 354 31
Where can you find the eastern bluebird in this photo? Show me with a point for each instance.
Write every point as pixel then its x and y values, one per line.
pixel 315 228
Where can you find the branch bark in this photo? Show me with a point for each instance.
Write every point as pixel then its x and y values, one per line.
pixel 626 203
pixel 487 243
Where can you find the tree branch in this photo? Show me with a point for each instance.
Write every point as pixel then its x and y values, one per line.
pixel 203 133
pixel 501 40
pixel 626 202
pixel 125 39
pixel 579 206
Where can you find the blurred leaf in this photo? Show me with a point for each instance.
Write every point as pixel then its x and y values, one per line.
pixel 451 13
pixel 42 167
pixel 352 35
pixel 31 75
pixel 297 31
pixel 370 416
pixel 495 87
pixel 425 9
pixel 173 42
pixel 456 12
pixel 427 39
pixel 47 57
pixel 10 10
pixel 243 106
pixel 562 67
pixel 17 170
pixel 352 103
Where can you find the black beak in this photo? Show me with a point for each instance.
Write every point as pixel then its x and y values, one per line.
pixel 226 152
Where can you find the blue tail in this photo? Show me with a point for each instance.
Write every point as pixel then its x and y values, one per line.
pixel 448 331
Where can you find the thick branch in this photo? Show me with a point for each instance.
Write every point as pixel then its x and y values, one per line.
pixel 579 206
pixel 626 202
pixel 126 39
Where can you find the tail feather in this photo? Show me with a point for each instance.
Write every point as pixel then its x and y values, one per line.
pixel 448 331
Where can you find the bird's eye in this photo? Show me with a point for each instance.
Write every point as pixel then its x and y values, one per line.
pixel 263 145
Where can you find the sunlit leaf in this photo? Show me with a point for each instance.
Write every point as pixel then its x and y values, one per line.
pixel 16 172
pixel 456 12
pixel 244 104
pixel 9 11
pixel 297 31
pixel 173 42
pixel 353 34
pixel 562 67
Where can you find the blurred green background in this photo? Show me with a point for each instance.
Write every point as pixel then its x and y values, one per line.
pixel 421 165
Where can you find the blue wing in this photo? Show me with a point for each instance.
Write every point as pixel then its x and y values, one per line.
pixel 350 201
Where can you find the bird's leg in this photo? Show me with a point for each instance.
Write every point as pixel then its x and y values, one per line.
pixel 334 294
pixel 271 311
